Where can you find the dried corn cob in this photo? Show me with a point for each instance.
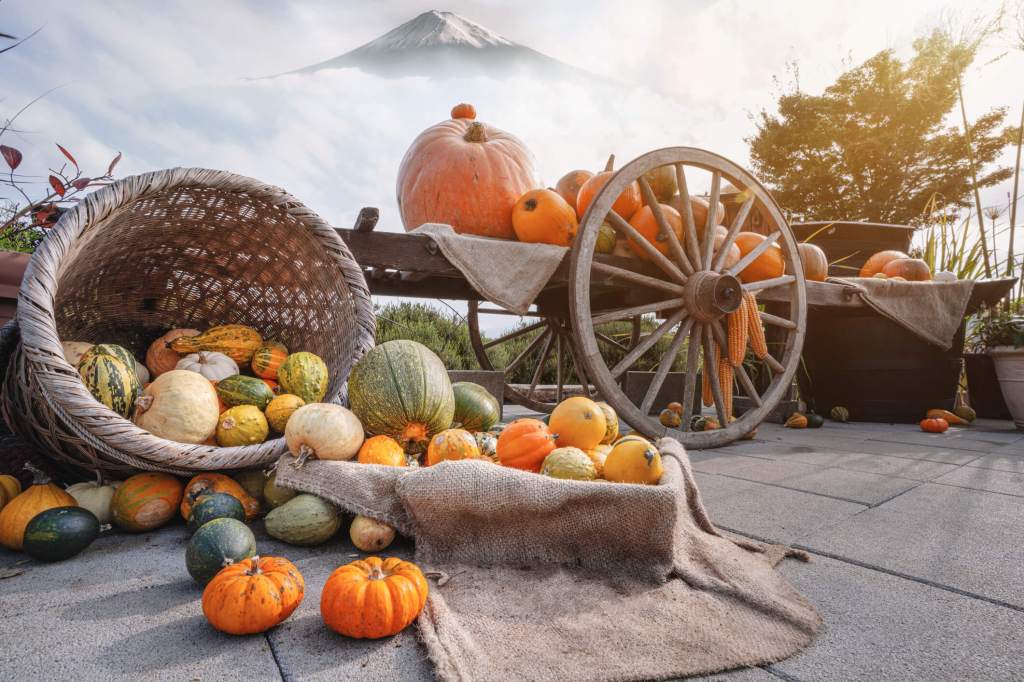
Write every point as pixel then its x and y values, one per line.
pixel 725 375
pixel 737 333
pixel 707 396
pixel 755 330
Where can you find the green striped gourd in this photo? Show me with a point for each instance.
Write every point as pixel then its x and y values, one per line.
pixel 119 352
pixel 111 381
pixel 303 374
pixel 267 360
pixel 243 390
pixel 475 408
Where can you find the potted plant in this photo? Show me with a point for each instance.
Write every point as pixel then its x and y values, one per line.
pixel 983 392
pixel 1000 332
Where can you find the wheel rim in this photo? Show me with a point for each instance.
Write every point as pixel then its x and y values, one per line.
pixel 692 288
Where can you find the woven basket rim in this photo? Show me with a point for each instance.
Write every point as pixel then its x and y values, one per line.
pixel 91 420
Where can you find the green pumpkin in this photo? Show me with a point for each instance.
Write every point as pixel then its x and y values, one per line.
pixel 475 408
pixel 606 238
pixel 569 463
pixel 815 421
pixel 303 520
pixel 274 495
pixel 966 412
pixel 217 544
pixel 839 414
pixel 119 352
pixel 252 480
pixel 305 375
pixel 111 381
pixel 242 390
pixel 60 533
pixel 212 506
pixel 401 389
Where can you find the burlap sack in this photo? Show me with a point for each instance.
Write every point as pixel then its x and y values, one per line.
pixel 570 580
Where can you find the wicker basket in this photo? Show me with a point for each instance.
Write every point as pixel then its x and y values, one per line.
pixel 175 248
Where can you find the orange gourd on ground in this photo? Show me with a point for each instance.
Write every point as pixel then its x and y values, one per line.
pixel 568 186
pixel 910 269
pixel 934 425
pixel 768 265
pixel 647 225
pixel 23 507
pixel 452 445
pixel 877 262
pixel 524 444
pixel 467 174
pixel 383 450
pixel 542 216
pixel 253 595
pixel 145 501
pixel 464 110
pixel 373 597
pixel 217 483
pixel 625 205
pixel 951 419
pixel 814 262
pixel 577 422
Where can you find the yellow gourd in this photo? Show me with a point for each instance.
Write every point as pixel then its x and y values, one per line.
pixel 578 422
pixel 633 460
pixel 242 425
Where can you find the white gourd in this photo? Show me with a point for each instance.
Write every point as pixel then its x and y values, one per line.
pixel 212 365
pixel 323 431
pixel 95 496
pixel 179 405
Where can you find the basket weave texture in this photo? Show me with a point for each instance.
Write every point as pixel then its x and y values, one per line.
pixel 175 248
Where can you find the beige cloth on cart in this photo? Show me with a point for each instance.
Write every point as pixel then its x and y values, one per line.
pixel 572 580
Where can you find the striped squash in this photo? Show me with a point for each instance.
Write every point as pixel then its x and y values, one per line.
pixel 475 408
pixel 111 382
pixel 236 341
pixel 242 390
pixel 267 360
pixel 305 375
pixel 119 352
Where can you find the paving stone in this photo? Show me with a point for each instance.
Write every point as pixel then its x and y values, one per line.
pixel 1001 461
pixel 966 539
pixel 770 512
pixel 855 486
pixel 950 440
pixel 881 627
pixel 932 453
pixel 992 480
pixel 742 675
pixel 717 461
pixel 919 470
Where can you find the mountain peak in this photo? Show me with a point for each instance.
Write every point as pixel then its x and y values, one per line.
pixel 436 28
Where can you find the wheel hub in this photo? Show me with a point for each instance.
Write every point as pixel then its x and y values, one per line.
pixel 709 295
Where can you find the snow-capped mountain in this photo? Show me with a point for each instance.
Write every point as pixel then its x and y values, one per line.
pixel 440 44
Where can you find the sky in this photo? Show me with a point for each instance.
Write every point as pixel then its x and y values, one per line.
pixel 166 83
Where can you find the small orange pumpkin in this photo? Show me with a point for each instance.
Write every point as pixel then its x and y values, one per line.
pixel 934 425
pixel 625 205
pixel 768 265
pixel 35 499
pixel 647 225
pixel 268 359
pixel 700 208
pixel 373 597
pixel 217 483
pixel 524 444
pixel 253 595
pixel 578 422
pixel 452 445
pixel 814 261
pixel 464 110
pixel 568 186
pixel 160 358
pixel 910 269
pixel 541 216
pixel 877 262
pixel 676 407
pixel 381 450
pixel 145 501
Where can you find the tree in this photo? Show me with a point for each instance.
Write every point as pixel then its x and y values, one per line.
pixel 875 144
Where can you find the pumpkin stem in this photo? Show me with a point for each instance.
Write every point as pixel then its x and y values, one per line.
pixel 255 569
pixel 305 452
pixel 475 132
pixel 531 204
pixel 377 573
pixel 143 403
pixel 610 163
pixel 38 477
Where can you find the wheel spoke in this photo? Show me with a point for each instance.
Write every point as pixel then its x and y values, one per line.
pixel 659 259
pixel 559 377
pixel 689 227
pixel 517 333
pixel 768 318
pixel 667 360
pixel 690 383
pixel 609 340
pixel 711 366
pixel 673 240
pixel 636 278
pixel 539 369
pixel 754 253
pixel 526 351
pixel 498 311
pixel 769 283
pixel 709 225
pixel 648 342
pixel 622 313
pixel 734 229
pixel 581 373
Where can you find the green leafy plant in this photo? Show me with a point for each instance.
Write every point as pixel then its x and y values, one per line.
pixel 996 326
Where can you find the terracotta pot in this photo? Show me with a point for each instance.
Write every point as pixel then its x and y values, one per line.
pixel 12 268
pixel 1009 363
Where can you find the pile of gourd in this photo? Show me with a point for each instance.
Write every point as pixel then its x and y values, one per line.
pixel 226 386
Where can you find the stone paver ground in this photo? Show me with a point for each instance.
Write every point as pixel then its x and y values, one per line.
pixel 918 572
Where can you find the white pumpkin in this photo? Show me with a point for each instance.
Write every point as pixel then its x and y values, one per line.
pixel 212 365
pixel 370 535
pixel 323 431
pixel 179 405
pixel 74 350
pixel 142 373
pixel 95 497
pixel 944 276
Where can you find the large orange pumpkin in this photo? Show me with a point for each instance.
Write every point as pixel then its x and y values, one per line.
pixel 568 186
pixel 453 445
pixel 160 358
pixel 910 269
pixel 217 483
pixel 578 422
pixel 625 205
pixel 814 261
pixel 253 595
pixel 381 450
pixel 769 264
pixel 467 174
pixel 373 597
pixel 700 207
pixel 646 224
pixel 541 216
pixel 874 265
pixel 524 444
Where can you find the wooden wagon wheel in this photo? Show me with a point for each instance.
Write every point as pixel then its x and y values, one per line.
pixel 690 290
pixel 552 338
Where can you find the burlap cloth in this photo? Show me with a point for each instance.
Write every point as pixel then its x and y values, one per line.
pixel 570 580
pixel 507 273
pixel 931 310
